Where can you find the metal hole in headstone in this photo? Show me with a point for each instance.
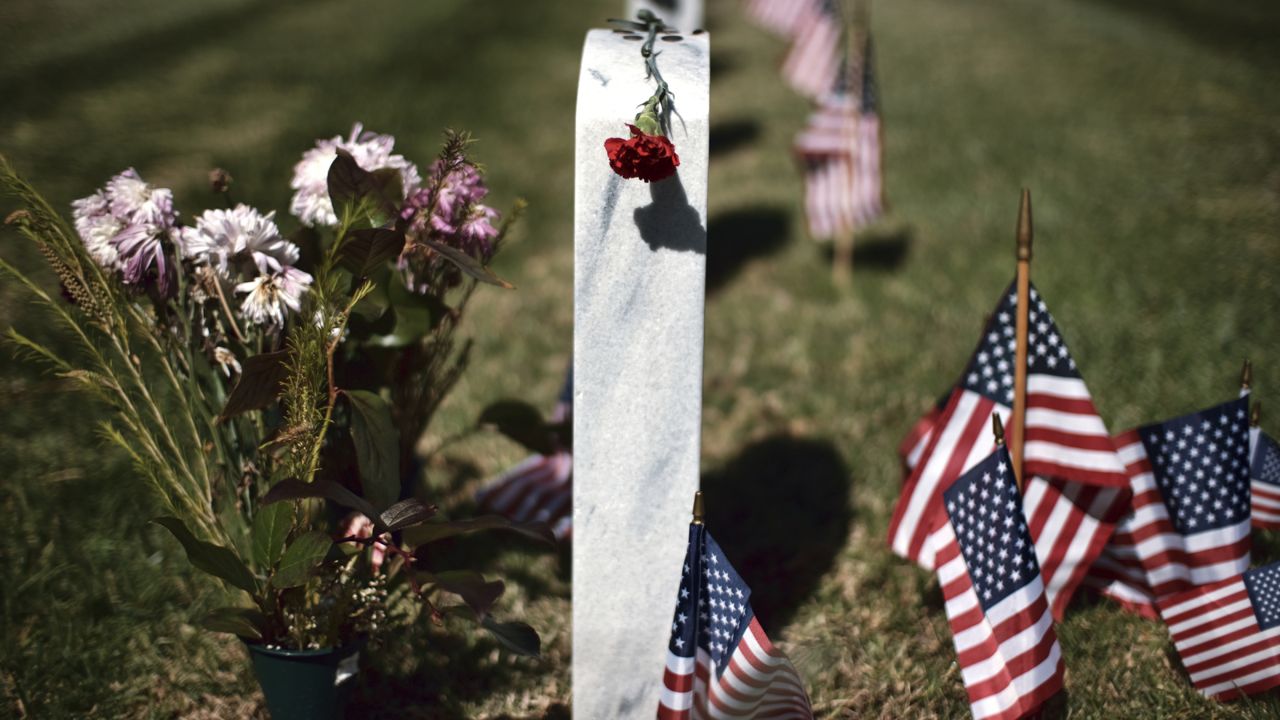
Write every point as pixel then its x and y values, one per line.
pixel 632 37
pixel 699 31
pixel 620 31
pixel 672 38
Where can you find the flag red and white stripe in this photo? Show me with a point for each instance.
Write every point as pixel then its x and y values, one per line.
pixel 1227 636
pixel 812 65
pixel 537 489
pixel 759 683
pixel 826 148
pixel 781 17
pixel 912 447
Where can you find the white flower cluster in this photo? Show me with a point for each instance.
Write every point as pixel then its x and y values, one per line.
pixel 370 150
pixel 242 243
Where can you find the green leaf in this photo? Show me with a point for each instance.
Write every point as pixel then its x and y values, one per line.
pixel 466 263
pixel 294 489
pixel 367 199
pixel 521 422
pixel 271 528
pixel 515 636
pixel 377 446
pixel 407 513
pixel 303 555
pixel 475 591
pixel 411 324
pixel 432 531
pixel 244 622
pixel 368 249
pixel 261 380
pixel 213 559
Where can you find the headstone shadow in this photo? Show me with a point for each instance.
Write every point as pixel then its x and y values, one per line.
pixel 736 237
pixel 780 510
pixel 730 135
pixel 670 221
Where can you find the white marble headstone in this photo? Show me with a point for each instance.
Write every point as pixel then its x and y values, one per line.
pixel 683 15
pixel 639 278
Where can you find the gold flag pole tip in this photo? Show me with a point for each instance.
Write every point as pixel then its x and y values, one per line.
pixel 1246 375
pixel 697 508
pixel 997 428
pixel 1255 415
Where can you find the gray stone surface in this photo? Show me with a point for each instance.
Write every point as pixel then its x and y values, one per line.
pixel 683 15
pixel 639 276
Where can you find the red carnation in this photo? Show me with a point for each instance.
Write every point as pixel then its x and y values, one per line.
pixel 644 156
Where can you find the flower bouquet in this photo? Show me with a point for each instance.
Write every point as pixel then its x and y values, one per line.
pixel 269 388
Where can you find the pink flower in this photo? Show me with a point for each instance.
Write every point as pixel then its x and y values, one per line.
pixel 358 526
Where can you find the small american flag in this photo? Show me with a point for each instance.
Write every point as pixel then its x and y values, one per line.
pixel 782 17
pixel 1076 485
pixel 1228 633
pixel 1265 483
pixel 720 664
pixel 839 150
pixel 1189 521
pixel 540 487
pixel 813 63
pixel 1006 647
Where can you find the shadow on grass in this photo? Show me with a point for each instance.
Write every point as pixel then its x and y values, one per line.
pixel 129 56
pixel 780 510
pixel 878 249
pixel 730 135
pixel 1246 28
pixel 736 237
pixel 432 673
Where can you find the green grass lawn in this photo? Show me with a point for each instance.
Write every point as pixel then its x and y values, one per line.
pixel 1149 133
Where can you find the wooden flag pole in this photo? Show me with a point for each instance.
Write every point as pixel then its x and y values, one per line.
pixel 1020 367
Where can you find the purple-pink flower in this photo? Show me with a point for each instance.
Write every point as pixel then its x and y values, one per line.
pixel 447 210
pixel 127 226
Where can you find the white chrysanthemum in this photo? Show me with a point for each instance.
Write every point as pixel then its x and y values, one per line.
pixel 270 294
pixel 135 201
pixel 97 226
pixel 370 150
pixel 221 237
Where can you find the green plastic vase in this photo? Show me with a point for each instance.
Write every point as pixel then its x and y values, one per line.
pixel 303 684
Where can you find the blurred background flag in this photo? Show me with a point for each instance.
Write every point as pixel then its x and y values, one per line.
pixel 825 148
pixel 1228 633
pixel 868 186
pixel 818 51
pixel 540 487
pixel 1076 488
pixel 839 150
pixel 1005 644
pixel 1189 519
pixel 782 17
pixel 720 664
pixel 1265 478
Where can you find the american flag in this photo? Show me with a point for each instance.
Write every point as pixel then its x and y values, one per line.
pixel 840 153
pixel 720 664
pixel 782 17
pixel 540 487
pixel 1147 556
pixel 1228 633
pixel 813 63
pixel 1265 483
pixel 1000 620
pixel 1075 485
